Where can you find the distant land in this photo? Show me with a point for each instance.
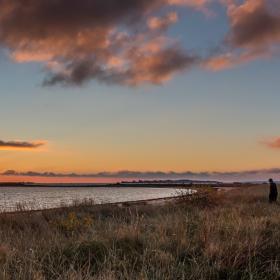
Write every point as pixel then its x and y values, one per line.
pixel 138 183
pixel 172 182
pixel 181 183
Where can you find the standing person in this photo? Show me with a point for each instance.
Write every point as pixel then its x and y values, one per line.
pixel 273 193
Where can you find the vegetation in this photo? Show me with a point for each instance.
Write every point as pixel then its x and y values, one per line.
pixel 211 235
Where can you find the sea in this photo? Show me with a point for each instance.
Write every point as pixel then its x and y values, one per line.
pixel 18 198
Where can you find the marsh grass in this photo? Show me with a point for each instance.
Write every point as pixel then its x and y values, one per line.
pixel 209 235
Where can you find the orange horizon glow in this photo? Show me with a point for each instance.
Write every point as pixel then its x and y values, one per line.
pixel 53 180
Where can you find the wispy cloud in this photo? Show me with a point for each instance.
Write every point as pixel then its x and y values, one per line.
pixel 273 143
pixel 254 33
pixel 15 145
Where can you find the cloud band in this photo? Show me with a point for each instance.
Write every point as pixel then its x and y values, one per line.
pixel 261 174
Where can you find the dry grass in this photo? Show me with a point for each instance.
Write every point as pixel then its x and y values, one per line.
pixel 232 235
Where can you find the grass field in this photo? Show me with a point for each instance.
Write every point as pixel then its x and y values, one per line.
pixel 211 235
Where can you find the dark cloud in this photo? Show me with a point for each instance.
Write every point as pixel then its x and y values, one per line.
pixel 151 68
pixel 20 144
pixel 40 19
pixel 107 40
pixel 255 23
pixel 126 42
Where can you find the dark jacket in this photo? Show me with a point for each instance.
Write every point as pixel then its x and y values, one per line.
pixel 273 193
pixel 273 189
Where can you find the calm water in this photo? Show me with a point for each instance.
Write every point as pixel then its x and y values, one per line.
pixel 51 197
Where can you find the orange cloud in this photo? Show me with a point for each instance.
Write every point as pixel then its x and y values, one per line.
pixel 255 24
pixel 232 59
pixel 162 22
pixel 158 67
pixel 254 33
pixel 123 44
pixel 20 145
pixel 219 62
pixel 273 144
pixel 85 40
pixel 197 4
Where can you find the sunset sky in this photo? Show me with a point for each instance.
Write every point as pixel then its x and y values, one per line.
pixel 138 89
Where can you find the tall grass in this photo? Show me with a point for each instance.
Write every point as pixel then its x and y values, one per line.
pixel 211 235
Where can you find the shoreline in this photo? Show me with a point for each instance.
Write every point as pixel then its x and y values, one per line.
pixel 123 204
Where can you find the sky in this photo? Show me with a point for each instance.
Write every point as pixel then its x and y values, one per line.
pixel 95 91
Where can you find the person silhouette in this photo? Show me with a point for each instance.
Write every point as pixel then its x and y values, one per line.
pixel 273 193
